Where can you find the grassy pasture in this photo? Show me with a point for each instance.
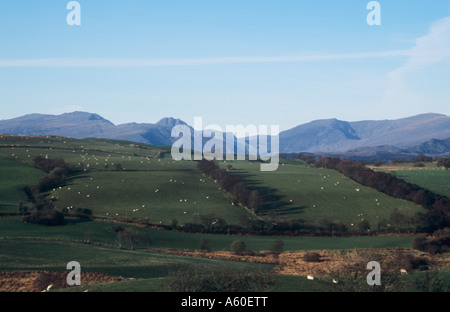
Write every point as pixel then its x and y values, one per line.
pixel 150 186
pixel 433 179
pixel 156 195
pixel 299 191
pixel 19 254
pixel 14 176
pixel 100 232
pixel 146 186
pixel 159 189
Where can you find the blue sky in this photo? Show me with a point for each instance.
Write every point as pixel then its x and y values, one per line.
pixel 229 61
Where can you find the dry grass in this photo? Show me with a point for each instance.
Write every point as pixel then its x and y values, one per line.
pixel 37 281
pixel 332 262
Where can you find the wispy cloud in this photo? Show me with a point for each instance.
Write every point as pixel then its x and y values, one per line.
pixel 431 49
pixel 142 62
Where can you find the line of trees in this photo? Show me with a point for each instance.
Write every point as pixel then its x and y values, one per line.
pixel 235 186
pixel 443 162
pixel 437 215
pixel 43 211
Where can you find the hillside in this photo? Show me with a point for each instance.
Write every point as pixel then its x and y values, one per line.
pixel 426 133
pixel 80 125
pixel 335 136
pixel 149 185
pixel 151 218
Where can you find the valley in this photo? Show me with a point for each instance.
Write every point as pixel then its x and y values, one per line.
pixel 134 214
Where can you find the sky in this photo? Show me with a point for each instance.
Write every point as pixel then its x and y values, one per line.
pixel 231 62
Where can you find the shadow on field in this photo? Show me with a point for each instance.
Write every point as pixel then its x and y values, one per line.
pixel 76 176
pixel 290 210
pixel 273 201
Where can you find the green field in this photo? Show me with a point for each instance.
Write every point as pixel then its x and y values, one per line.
pixel 100 232
pixel 148 186
pixel 159 190
pixel 300 191
pixel 14 177
pixel 430 176
pixel 435 180
pixel 19 254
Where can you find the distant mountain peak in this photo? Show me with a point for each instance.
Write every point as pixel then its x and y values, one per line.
pixel 333 135
pixel 318 136
pixel 170 122
pixel 84 116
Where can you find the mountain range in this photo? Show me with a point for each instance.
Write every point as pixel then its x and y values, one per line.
pixel 421 134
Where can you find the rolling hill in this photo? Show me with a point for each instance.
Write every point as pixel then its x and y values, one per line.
pixel 149 191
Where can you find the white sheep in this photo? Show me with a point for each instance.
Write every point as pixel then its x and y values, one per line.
pixel 311 278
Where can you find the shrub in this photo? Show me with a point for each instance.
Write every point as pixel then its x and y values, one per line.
pixel 218 280
pixel 47 217
pixel 410 262
pixel 434 246
pixel 204 245
pixel 238 247
pixel 44 279
pixel 131 238
pixel 312 257
pixel 83 213
pixel 419 243
pixel 363 226
pixel 442 233
pixel 277 247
